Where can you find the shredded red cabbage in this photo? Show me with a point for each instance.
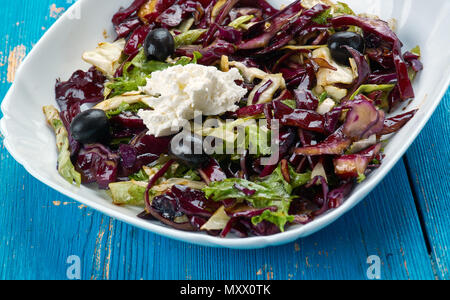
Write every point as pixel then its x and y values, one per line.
pixel 307 139
pixel 384 32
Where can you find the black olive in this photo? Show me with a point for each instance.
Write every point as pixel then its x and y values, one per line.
pixel 188 149
pixel 90 126
pixel 345 38
pixel 159 44
pixel 167 206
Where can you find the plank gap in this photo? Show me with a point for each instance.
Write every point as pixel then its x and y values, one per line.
pixel 417 204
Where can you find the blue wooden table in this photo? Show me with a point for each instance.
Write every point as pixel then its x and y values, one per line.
pixel 405 222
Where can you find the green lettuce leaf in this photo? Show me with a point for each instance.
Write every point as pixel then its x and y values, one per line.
pixel 273 190
pixel 65 166
pixel 136 72
pixel 416 50
pixel 188 38
pixel 369 88
pixel 277 182
pixel 323 17
pixel 134 107
pixel 323 97
pixel 133 192
pixel 197 57
pixel 341 8
pixel 134 75
pixel 192 175
pixel 411 73
pixel 337 9
pixel 182 171
pixel 263 196
pixel 118 141
pixel 241 21
pixel 185 25
pixel 128 193
pixel 257 139
pixel 291 103
pixel 279 218
pixel 361 177
pixel 139 176
pixel 179 171
pixel 242 134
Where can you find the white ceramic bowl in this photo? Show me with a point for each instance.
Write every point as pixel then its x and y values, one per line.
pixel 32 143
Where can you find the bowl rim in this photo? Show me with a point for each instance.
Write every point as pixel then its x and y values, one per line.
pixel 202 239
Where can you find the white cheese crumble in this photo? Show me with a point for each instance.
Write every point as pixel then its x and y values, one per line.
pixel 178 92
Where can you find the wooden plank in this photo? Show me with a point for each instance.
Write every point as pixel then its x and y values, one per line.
pixel 38 234
pixel 428 160
pixel 40 229
pixel 31 244
pixel 385 225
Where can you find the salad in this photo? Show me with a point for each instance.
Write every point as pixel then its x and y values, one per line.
pixel 233 116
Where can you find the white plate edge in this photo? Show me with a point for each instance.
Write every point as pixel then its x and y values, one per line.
pixel 206 240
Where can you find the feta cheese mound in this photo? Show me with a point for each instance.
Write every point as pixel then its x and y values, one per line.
pixel 178 92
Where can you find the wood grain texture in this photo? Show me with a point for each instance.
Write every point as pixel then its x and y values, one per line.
pixel 429 168
pixel 40 228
